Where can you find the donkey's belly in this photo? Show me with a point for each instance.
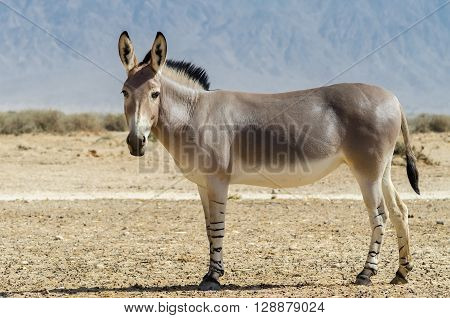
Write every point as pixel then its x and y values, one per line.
pixel 294 175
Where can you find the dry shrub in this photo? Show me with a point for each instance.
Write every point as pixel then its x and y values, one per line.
pixel 82 122
pixel 421 156
pixel 399 150
pixel 425 123
pixel 440 123
pixel 115 122
pixel 31 121
pixel 52 121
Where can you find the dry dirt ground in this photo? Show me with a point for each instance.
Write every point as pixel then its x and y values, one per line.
pixel 158 248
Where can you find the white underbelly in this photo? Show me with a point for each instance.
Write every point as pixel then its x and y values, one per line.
pixel 298 174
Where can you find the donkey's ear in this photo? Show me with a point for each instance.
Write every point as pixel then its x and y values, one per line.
pixel 157 55
pixel 126 52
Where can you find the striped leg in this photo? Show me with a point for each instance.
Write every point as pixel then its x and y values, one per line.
pixel 205 203
pixel 375 205
pixel 398 214
pixel 217 191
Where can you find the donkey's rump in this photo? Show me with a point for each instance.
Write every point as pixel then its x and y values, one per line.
pixel 370 117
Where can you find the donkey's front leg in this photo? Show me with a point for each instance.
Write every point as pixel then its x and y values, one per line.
pixel 217 190
pixel 205 203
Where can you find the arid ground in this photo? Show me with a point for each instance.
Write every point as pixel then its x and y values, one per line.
pixel 80 217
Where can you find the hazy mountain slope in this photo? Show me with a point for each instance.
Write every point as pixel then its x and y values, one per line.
pixel 244 45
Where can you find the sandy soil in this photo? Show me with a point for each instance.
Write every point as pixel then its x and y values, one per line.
pixel 135 248
pixel 273 248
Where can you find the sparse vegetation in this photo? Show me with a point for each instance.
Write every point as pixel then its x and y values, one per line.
pixel 52 121
pixel 426 123
pixel 422 123
pixel 115 122
pixel 399 150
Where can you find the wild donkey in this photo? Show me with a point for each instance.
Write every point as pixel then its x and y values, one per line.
pixel 219 138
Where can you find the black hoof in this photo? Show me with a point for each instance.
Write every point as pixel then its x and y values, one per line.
pixel 363 280
pixel 209 284
pixel 399 279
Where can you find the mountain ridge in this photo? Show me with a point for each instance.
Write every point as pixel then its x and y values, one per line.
pixel 263 46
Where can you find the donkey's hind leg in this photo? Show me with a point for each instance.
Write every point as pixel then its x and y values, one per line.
pixel 398 214
pixel 373 199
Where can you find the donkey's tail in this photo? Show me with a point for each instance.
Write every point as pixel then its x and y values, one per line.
pixel 413 174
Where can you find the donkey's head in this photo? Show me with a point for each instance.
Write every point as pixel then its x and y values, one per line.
pixel 141 90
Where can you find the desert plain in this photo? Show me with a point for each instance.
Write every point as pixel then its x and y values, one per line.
pixel 80 217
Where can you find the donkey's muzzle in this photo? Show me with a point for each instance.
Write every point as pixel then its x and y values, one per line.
pixel 136 144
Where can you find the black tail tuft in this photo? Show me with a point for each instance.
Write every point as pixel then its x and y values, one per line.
pixel 413 174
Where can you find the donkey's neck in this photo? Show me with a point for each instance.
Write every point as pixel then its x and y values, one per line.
pixel 177 107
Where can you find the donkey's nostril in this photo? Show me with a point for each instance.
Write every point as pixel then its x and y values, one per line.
pixel 143 139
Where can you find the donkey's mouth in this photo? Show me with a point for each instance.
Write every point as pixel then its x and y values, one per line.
pixel 137 153
pixel 136 145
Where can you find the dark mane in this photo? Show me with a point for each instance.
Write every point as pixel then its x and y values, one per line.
pixel 194 72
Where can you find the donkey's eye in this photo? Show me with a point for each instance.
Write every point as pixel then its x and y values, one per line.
pixel 125 93
pixel 155 95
